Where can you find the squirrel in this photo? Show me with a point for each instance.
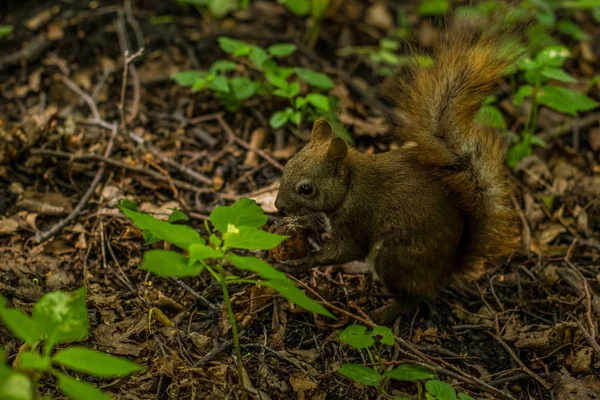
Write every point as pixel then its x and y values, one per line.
pixel 435 211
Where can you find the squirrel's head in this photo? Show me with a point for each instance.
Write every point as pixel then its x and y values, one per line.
pixel 315 179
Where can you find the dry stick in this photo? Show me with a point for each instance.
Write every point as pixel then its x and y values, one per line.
pixel 586 290
pixel 211 355
pixel 128 60
pixel 245 145
pixel 116 163
pixel 589 338
pixel 518 360
pixel 197 295
pixel 426 361
pixel 581 123
pixel 43 236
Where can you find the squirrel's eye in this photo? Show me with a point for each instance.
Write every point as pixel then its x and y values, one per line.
pixel 305 190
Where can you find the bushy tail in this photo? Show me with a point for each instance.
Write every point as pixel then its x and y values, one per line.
pixel 436 107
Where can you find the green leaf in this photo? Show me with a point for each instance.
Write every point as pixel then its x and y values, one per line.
pixel 300 8
pixel 357 337
pixel 277 79
pixel 20 325
pixel 287 289
pixel 361 374
pixel 433 7
pixel 244 212
pixel 128 204
pixel 315 79
pixel 222 66
pixel 524 91
pixel 250 238
pixel 299 102
pixel 177 215
pixel 552 56
pixel 491 116
pixel 408 372
pixel 438 390
pixel 181 236
pixel 61 317
pixel 187 78
pixel 33 360
pixel 296 118
pixel 95 363
pixel 462 396
pixel 5 30
pixel 387 336
pixel 79 390
pixel 233 46
pixel 573 30
pixel 201 251
pixel 256 265
pixel 220 8
pixel 278 119
pixel 15 386
pixel 282 49
pixel 565 100
pixel 258 56
pixel 580 4
pixel 242 87
pixel 199 85
pixel 169 263
pixel 517 152
pixel 319 101
pixel 558 74
pixel 219 84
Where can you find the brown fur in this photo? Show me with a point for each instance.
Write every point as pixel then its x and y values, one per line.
pixel 435 210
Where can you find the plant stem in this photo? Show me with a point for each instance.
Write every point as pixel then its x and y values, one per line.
pixel 532 120
pixel 234 329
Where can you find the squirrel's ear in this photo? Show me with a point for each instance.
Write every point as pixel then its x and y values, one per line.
pixel 321 132
pixel 338 149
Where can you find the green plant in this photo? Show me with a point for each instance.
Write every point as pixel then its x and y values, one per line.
pixel 233 227
pixel 273 79
pixel 5 30
pixel 316 9
pixel 537 73
pixel 433 7
pixel 359 338
pixel 57 318
pixel 217 8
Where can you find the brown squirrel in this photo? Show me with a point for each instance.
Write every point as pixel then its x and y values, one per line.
pixel 432 212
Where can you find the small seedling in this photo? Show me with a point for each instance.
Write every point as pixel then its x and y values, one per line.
pixel 233 227
pixel 217 8
pixel 359 338
pixel 5 30
pixel 58 318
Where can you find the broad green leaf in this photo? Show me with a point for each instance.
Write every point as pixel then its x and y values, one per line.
pixel 552 56
pixel 222 66
pixel 319 101
pixel 128 204
pixel 199 85
pixel 387 336
pixel 300 8
pixel 491 116
pixel 233 46
pixel 242 87
pixel 220 8
pixel 15 386
pixel 278 119
pixel 319 7
pixel 5 30
pixel 250 238
pixel 433 7
pixel 20 325
pixel 300 102
pixel 79 390
pixel 169 263
pixel 277 79
pixel 438 390
pixel 581 4
pixel 201 251
pixel 287 289
pixel 244 212
pixel 517 152
pixel 177 215
pixel 215 240
pixel 408 372
pixel 558 74
pixel 96 363
pixel 33 360
pixel 361 374
pixel 524 91
pixel 462 396
pixel 357 337
pixel 187 78
pixel 256 265
pixel 315 79
pixel 219 84
pixel 258 56
pixel 282 49
pixel 62 317
pixel 565 100
pixel 181 236
pixel 296 118
pixel 573 30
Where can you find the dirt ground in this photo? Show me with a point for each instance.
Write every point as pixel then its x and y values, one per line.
pixel 528 328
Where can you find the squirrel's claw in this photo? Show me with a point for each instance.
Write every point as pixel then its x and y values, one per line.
pixel 294 266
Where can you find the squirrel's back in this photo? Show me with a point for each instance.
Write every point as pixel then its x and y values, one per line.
pixel 435 107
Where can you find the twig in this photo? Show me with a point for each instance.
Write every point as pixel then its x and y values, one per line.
pixel 31 52
pixel 591 340
pixel 586 290
pixel 581 123
pixel 43 236
pixel 518 360
pixel 245 145
pixel 197 295
pixel 276 353
pixel 128 60
pixel 211 355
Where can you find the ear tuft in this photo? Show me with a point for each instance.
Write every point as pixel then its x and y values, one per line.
pixel 321 132
pixel 338 149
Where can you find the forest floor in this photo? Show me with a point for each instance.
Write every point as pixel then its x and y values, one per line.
pixel 528 328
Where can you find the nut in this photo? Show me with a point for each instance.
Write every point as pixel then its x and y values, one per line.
pixel 295 246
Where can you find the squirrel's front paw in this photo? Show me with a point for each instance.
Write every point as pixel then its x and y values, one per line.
pixel 294 266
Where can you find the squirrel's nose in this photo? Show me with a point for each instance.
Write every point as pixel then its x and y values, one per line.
pixel 279 204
